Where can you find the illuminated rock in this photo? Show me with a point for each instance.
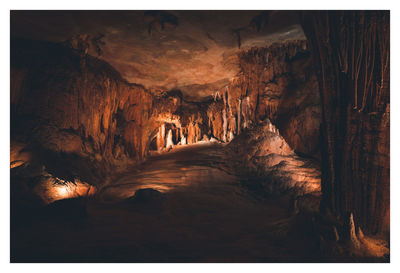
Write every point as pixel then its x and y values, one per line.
pixel 183 139
pixel 161 137
pixel 170 143
pixel 51 189
pixel 266 155
pixel 18 154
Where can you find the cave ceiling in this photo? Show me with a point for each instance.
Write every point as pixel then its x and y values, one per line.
pixel 193 51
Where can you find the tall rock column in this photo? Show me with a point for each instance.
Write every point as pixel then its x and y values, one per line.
pixel 351 56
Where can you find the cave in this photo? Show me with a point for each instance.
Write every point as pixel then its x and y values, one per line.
pixel 196 136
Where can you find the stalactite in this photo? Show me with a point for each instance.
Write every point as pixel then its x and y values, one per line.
pixel 216 96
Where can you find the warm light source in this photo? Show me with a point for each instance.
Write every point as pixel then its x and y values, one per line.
pixel 52 189
pixel 62 191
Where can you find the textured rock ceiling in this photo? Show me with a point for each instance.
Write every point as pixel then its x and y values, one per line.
pixel 194 51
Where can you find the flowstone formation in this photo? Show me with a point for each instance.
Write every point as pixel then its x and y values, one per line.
pixel 263 157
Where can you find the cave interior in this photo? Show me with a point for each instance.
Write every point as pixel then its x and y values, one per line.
pixel 200 136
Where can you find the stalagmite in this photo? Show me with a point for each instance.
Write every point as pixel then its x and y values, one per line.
pixel 352 233
pixel 269 126
pixel 170 143
pixel 360 233
pixel 335 234
pixel 224 125
pixel 231 136
pixel 183 140
pixel 239 114
pixel 161 137
pixel 246 111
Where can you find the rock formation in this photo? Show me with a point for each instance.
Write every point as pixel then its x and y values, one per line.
pixel 263 156
pixel 351 55
pixel 74 119
pixel 275 82
pixel 305 116
pixel 79 119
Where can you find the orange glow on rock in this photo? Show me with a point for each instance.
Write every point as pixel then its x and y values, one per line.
pixel 51 189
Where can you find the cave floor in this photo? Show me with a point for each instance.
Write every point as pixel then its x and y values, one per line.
pixel 205 215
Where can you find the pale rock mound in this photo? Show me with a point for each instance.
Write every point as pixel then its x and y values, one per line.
pixel 263 155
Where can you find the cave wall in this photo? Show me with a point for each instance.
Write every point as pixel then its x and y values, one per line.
pixel 351 55
pixel 278 83
pixel 65 105
pixel 275 82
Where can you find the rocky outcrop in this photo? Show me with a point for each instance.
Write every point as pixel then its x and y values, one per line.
pixel 51 188
pixel 264 157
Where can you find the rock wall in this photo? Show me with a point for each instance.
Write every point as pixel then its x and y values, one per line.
pixel 74 118
pixel 77 105
pixel 275 82
pixel 351 54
